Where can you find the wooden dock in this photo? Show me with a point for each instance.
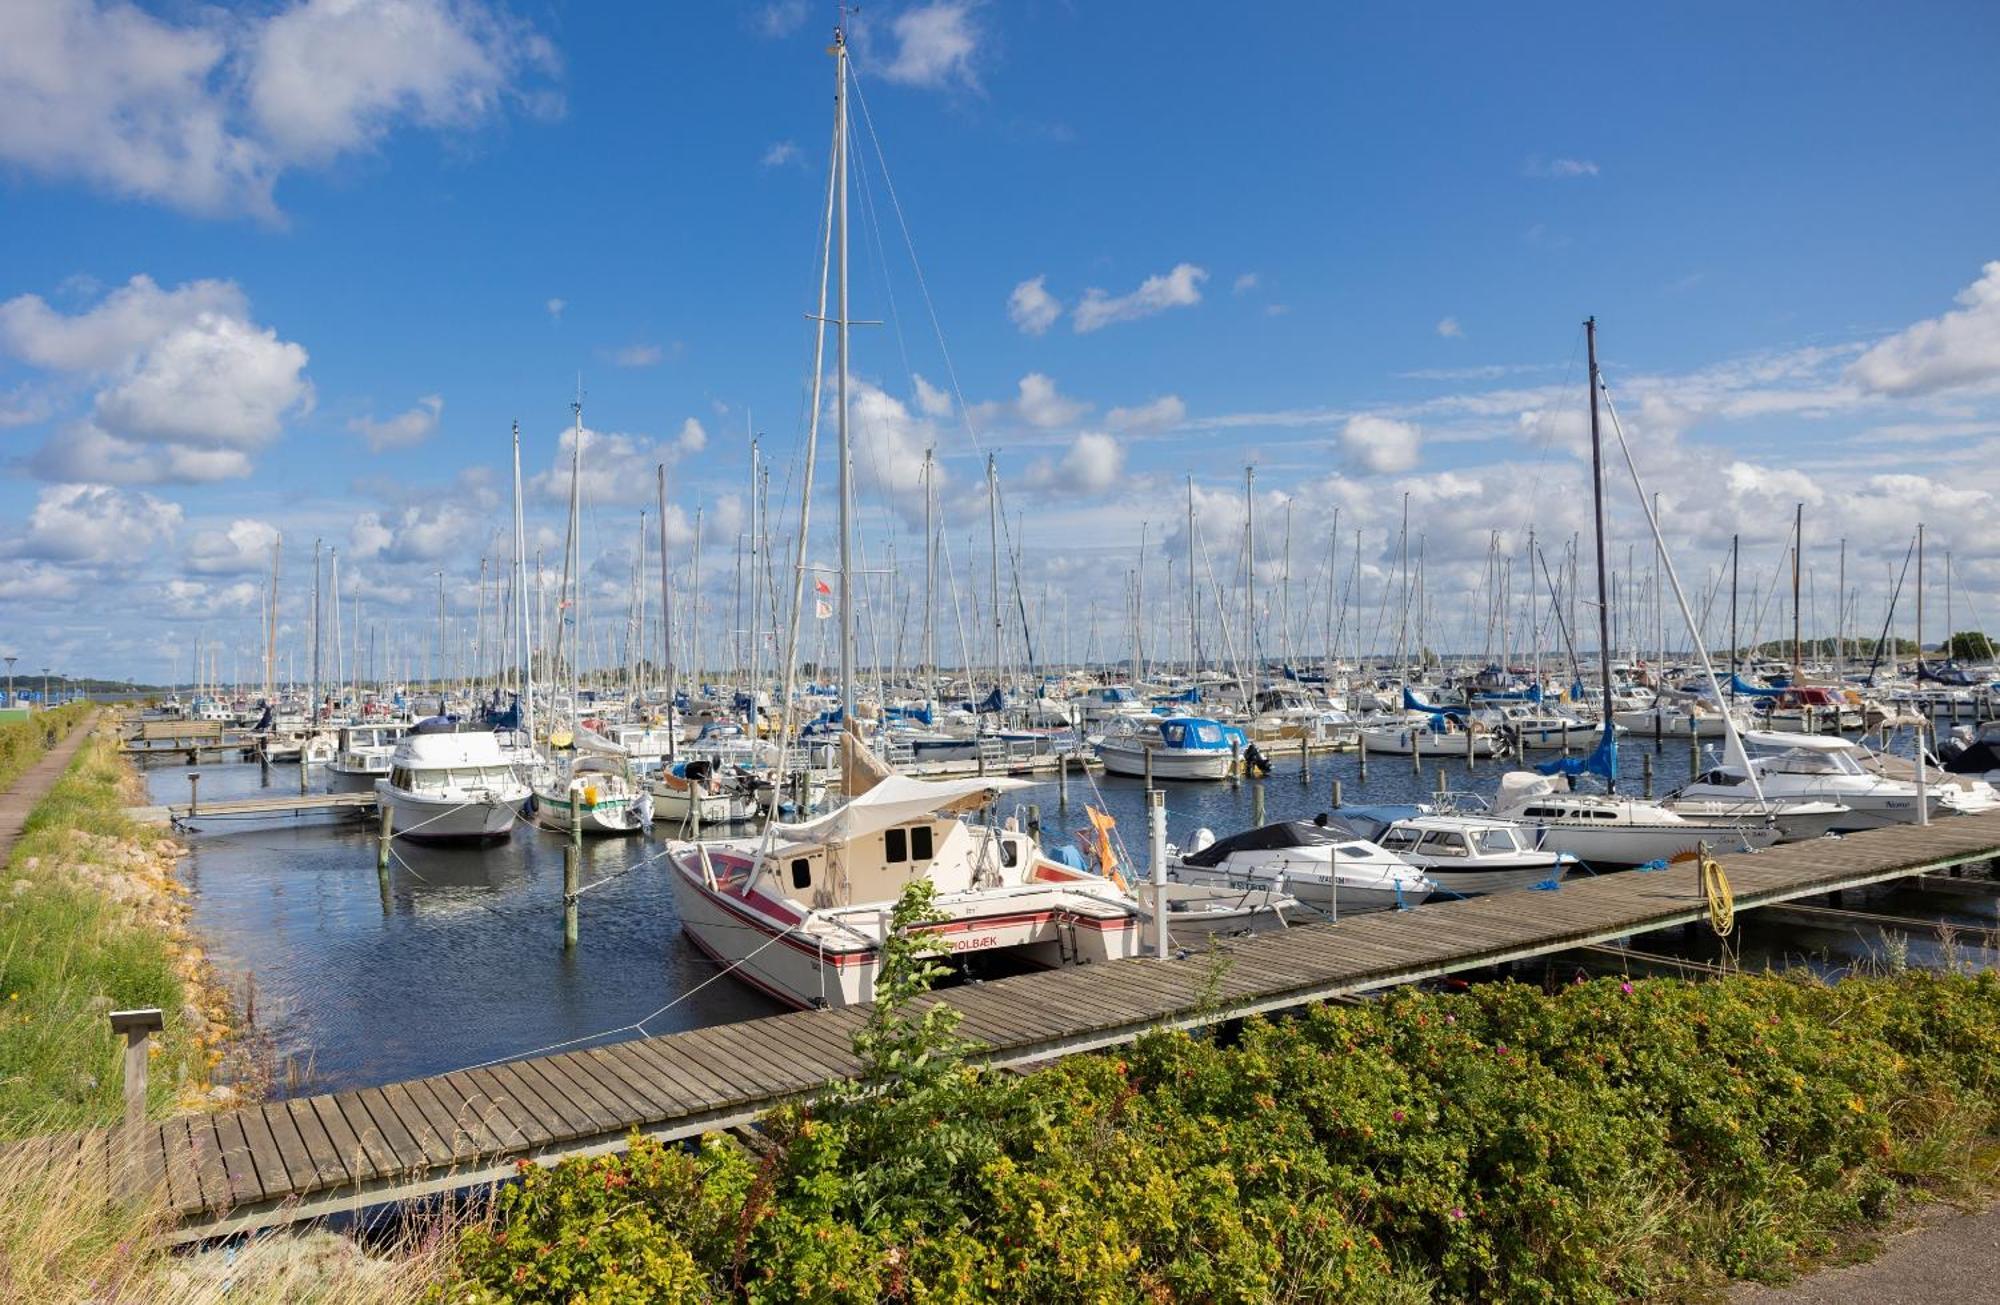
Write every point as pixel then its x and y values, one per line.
pixel 175 813
pixel 287 1160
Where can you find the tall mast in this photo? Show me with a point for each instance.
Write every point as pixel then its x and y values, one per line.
pixel 312 717
pixel 1597 504
pixel 694 604
pixel 271 634
pixel 1250 573
pixel 1798 548
pixel 527 650
pixel 1920 604
pixel 1840 617
pixel 840 385
pixel 993 556
pixel 1194 633
pixel 930 581
pixel 666 613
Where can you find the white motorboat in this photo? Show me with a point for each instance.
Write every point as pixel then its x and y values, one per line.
pixel 801 912
pixel 1330 867
pixel 1535 728
pixel 684 791
pixel 1431 736
pixel 600 792
pixel 363 753
pixel 1826 768
pixel 1180 747
pixel 450 784
pixel 1470 855
pixel 1607 830
pixel 1676 720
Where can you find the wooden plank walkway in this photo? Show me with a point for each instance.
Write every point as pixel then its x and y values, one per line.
pixel 270 1164
pixel 280 805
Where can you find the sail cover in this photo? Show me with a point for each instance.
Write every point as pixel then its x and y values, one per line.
pixel 1602 761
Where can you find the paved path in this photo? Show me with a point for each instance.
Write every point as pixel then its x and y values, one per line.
pixel 1940 1260
pixel 34 785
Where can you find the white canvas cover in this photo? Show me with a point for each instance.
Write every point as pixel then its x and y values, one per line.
pixel 894 800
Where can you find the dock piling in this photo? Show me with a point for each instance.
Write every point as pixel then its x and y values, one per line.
pixel 1148 752
pixel 1305 761
pixel 194 794
pixel 1156 843
pixel 1337 803
pixel 1646 771
pixel 1362 737
pixel 573 869
pixel 138 1026
pixel 1256 801
pixel 1694 748
pixel 1035 823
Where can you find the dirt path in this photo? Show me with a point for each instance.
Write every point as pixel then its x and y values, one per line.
pixel 33 786
pixel 1939 1260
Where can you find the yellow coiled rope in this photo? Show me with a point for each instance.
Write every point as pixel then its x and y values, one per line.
pixel 1716 894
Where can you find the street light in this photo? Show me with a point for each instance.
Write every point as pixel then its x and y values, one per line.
pixel 10 679
pixel 45 688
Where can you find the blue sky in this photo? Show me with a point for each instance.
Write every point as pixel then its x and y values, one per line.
pixel 297 266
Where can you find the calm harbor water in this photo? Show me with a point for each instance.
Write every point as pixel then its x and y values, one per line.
pixel 463 963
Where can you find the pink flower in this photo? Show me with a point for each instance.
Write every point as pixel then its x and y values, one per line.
pixel 1396 1115
pixel 1625 987
pixel 1457 1213
pixel 1451 1019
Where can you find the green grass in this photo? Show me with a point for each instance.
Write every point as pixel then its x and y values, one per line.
pixel 70 950
pixel 23 743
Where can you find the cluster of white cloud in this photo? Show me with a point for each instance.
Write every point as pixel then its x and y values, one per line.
pixel 406 429
pixel 1959 348
pixel 1033 309
pixel 206 114
pixel 612 467
pixel 95 525
pixel 186 386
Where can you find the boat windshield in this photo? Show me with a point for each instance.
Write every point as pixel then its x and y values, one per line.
pixel 1802 762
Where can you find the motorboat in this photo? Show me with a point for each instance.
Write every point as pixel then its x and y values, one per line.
pixel 1827 768
pixel 1797 819
pixel 699 790
pixel 1972 750
pixel 802 911
pixel 1609 830
pixel 1433 735
pixel 596 791
pixel 1678 720
pixel 1179 747
pixel 1471 855
pixel 447 783
pixel 1533 727
pixel 363 753
pixel 1328 866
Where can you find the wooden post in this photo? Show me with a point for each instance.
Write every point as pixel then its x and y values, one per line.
pixel 1694 746
pixel 1156 844
pixel 1647 770
pixel 572 869
pixel 1147 753
pixel 1659 723
pixel 1235 762
pixel 194 793
pixel 1441 781
pixel 1362 736
pixel 386 830
pixel 1035 823
pixel 1337 803
pixel 1565 736
pixel 1416 752
pixel 1062 780
pixel 1470 755
pixel 1256 801
pixel 1305 760
pixel 137 1026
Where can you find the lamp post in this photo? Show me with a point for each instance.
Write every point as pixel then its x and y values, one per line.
pixel 10 679
pixel 45 688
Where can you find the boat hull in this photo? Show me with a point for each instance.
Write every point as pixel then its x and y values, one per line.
pixel 445 820
pixel 1630 845
pixel 1168 763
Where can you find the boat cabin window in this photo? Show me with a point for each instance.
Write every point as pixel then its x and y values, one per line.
pixel 920 843
pixel 1445 843
pixel 802 874
pixel 399 777
pixel 1497 840
pixel 1010 852
pixel 1541 813
pixel 1359 850
pixel 1399 840
pixel 1721 779
pixel 895 845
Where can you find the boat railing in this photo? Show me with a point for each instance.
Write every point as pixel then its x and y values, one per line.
pixel 1460 802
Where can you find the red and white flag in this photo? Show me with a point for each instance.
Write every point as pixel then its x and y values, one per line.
pixel 820 587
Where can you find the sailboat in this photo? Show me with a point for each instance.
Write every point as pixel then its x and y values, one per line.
pixel 802 911
pixel 1605 829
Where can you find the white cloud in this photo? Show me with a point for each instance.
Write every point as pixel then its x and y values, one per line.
pixel 638 355
pixel 616 468
pixel 1559 169
pixel 781 18
pixel 693 437
pixel 1091 465
pixel 1960 348
pixel 1038 404
pixel 781 153
pixel 555 308
pixel 184 369
pixel 96 525
pixel 205 115
pixel 889 444
pixel 244 546
pixel 36 582
pixel 403 430
pixel 1244 284
pixel 1380 444
pixel 931 401
pixel 1180 288
pixel 1162 413
pixel 935 45
pixel 369 537
pixel 1031 306
pixel 1449 328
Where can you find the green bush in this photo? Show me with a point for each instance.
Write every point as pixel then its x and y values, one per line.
pixel 1613 1141
pixel 24 742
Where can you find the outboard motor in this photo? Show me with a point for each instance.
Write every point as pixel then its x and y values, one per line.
pixel 1255 761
